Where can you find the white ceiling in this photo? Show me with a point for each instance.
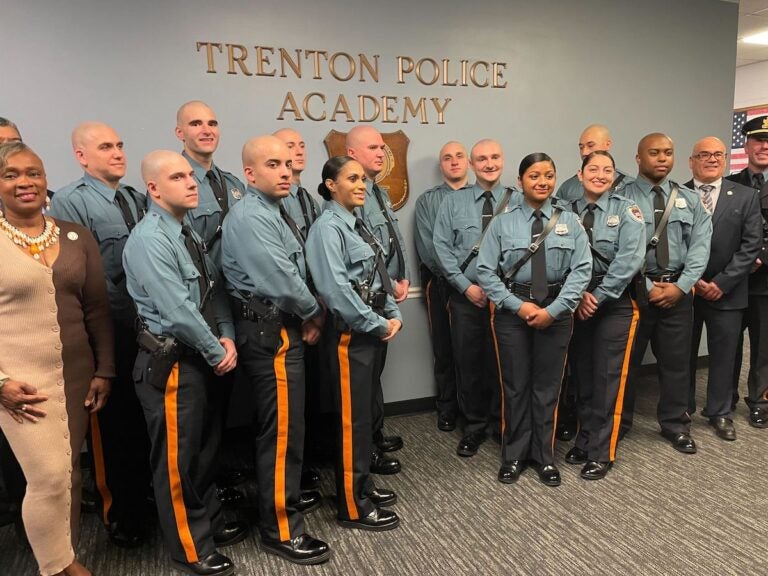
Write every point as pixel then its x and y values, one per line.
pixel 753 18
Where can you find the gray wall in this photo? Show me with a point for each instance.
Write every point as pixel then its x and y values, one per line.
pixel 656 65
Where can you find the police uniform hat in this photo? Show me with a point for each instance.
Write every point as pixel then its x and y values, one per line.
pixel 756 128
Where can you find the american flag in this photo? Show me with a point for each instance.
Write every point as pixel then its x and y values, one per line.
pixel 738 156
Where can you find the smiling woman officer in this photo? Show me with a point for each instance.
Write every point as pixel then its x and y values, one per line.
pixel 347 265
pixel 535 280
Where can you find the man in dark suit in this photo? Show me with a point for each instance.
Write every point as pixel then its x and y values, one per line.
pixel 721 294
pixel 756 318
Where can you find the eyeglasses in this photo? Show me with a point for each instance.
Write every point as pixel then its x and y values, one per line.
pixel 703 156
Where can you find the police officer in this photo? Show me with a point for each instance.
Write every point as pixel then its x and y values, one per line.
pixel 606 319
pixel 678 232
pixel 461 220
pixel 534 292
pixel 347 263
pixel 275 313
pixel 365 144
pixel 119 441
pixel 302 207
pixel 198 129
pixel 594 137
pixel 755 175
pixel 454 165
pixel 186 338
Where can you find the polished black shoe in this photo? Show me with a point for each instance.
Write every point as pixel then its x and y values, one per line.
pixel 446 423
pixel 214 564
pixel 310 478
pixel 595 470
pixel 681 442
pixel 303 549
pixel 576 456
pixel 308 501
pixel 232 533
pixel 470 444
pixel 230 477
pixel 549 475
pixel 382 497
pixel 381 464
pixel 123 538
pixel 510 472
pixel 388 443
pixel 229 496
pixel 723 428
pixel 758 417
pixel 378 520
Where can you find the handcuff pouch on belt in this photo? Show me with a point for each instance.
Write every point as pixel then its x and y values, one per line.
pixel 164 352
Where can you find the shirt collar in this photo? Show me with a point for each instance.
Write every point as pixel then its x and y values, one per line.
pixel 173 225
pixel 601 203
pixel 528 210
pixel 347 216
pixel 717 184
pixel 646 186
pixel 200 171
pixel 106 191
pixel 267 201
pixel 478 191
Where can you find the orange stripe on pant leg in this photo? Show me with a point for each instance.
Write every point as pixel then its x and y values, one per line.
pixel 618 409
pixel 99 469
pixel 281 381
pixel 346 425
pixel 498 367
pixel 174 478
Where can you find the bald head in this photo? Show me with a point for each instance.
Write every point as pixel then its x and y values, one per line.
pixel 190 108
pixel 296 145
pixel 198 128
pixel 170 181
pixel 365 144
pixel 454 164
pixel 708 160
pixel 594 137
pixel 267 165
pixel 99 150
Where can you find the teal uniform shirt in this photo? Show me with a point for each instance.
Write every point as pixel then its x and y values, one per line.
pixel 292 205
pixel 572 190
pixel 458 227
pixel 91 203
pixel 427 206
pixel 163 281
pixel 338 258
pixel 374 219
pixel 261 256
pixel 618 235
pixel 689 232
pixel 567 256
pixel 206 219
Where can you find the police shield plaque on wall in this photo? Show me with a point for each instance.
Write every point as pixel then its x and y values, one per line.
pixel 394 176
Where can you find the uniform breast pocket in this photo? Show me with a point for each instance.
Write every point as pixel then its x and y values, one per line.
pixel 466 232
pixel 679 227
pixel 190 274
pixel 559 251
pixel 378 225
pixel 606 240
pixel 360 259
pixel 512 250
pixel 111 239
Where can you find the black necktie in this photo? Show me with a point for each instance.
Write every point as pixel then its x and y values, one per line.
pixel 539 289
pixel 197 254
pixel 307 207
pixel 125 208
pixel 218 191
pixel 381 268
pixel 392 234
pixel 662 248
pixel 487 209
pixel 588 220
pixel 292 225
pixel 758 180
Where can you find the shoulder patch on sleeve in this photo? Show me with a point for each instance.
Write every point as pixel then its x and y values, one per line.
pixel 635 213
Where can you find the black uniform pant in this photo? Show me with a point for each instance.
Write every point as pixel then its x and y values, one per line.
pixel 377 398
pixel 530 367
pixel 276 374
pixel 756 322
pixel 184 425
pixel 352 366
pixel 600 356
pixel 669 332
pixel 474 357
pixel 436 290
pixel 120 446
pixel 723 329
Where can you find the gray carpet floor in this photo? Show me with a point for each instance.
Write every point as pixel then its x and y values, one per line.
pixel 658 512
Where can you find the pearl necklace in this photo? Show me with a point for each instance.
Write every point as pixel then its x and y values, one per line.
pixel 36 244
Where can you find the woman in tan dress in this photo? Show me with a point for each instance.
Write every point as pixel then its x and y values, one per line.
pixel 55 354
